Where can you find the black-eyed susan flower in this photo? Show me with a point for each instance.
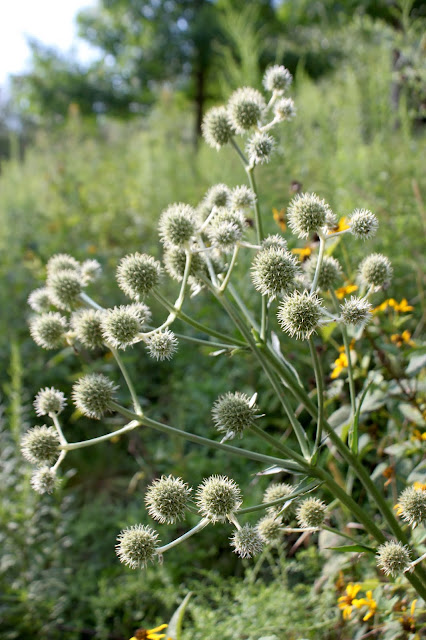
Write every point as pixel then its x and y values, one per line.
pixel 399 339
pixel 368 602
pixel 346 602
pixel 150 634
pixel 408 622
pixel 341 292
pixel 339 365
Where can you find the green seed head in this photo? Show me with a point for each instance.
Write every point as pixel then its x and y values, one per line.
pixel 217 127
pixel 412 505
pixel 162 345
pixel 311 513
pixel 121 326
pixel 138 274
pixel 137 546
pixel 363 224
pixel 393 558
pixel 245 108
pixel 233 413
pixel 48 330
pixel 218 497
pixel 277 79
pixel 40 445
pixel 39 300
pixel 92 395
pixel 177 225
pixel 274 271
pixel 329 275
pixel 306 214
pixel 64 288
pixel 87 326
pixel 270 529
pixel 376 270
pixel 167 499
pixel 175 261
pixel 355 311
pixel 299 314
pixel 49 401
pixel 280 491
pixel 247 542
pixel 44 480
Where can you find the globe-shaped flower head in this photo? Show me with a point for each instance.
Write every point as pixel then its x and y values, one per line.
pixel 393 558
pixel 177 225
pixel 137 546
pixel 277 79
pixel 242 198
pixel 138 274
pixel 48 330
pixel 49 401
pixel 274 271
pixel 87 326
pixel 259 148
pixel 311 513
pixel 64 288
pixel 44 480
pixel 299 314
pixel 363 224
pixel 218 497
pixel 329 275
pixel 306 214
pixel 92 395
pixel 233 413
pixel 167 499
pixel 162 345
pixel 40 445
pixel 217 127
pixel 270 529
pixel 247 542
pixel 61 262
pixel 39 300
pixel 412 505
pixel 284 109
pixel 376 270
pixel 280 491
pixel 121 326
pixel 356 311
pixel 217 196
pixel 246 107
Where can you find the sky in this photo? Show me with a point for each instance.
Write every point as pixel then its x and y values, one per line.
pixel 50 21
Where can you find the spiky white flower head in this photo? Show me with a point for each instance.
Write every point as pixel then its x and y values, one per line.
pixel 276 241
pixel 330 272
pixel 279 491
pixel 44 480
pixel 40 445
pixel 90 271
pixel 412 505
pixel 234 412
pixel 61 262
pixel 48 330
pixel 87 326
pixel 273 271
pixel 64 288
pixel 284 109
pixel 311 513
pixel 92 395
pixel 376 270
pixel 121 326
pixel 142 311
pixel 218 497
pixel 331 221
pixel 270 529
pixel 299 314
pixel 175 261
pixel 393 558
pixel 39 300
pixel 167 499
pixel 355 311
pixel 277 79
pixel 259 148
pixel 138 274
pixel 245 108
pixel 306 214
pixel 137 546
pixel 217 196
pixel 49 401
pixel 242 198
pixel 226 228
pixel 177 224
pixel 247 541
pixel 363 224
pixel 217 127
pixel 162 345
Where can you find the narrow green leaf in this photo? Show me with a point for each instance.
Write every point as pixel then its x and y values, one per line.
pixel 174 630
pixel 350 548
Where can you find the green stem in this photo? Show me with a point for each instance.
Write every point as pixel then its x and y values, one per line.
pixel 274 503
pixel 197 325
pixel 340 533
pixel 224 284
pixel 173 431
pixel 320 392
pixel 198 527
pixel 353 433
pixel 62 438
pixel 319 263
pixel 70 446
pixel 260 236
pixel 240 153
pixel 136 405
pixel 279 446
pixel 206 343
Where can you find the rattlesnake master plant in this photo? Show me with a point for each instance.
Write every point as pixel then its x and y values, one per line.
pixel 201 248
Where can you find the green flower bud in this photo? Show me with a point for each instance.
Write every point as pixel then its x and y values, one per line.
pixel 376 270
pixel 393 558
pixel 299 314
pixel 412 505
pixel 162 345
pixel 39 300
pixel 92 395
pixel 217 127
pixel 311 513
pixel 87 325
pixel 218 497
pixel 356 311
pixel 44 480
pixel 245 108
pixel 121 326
pixel 233 413
pixel 64 288
pixel 40 445
pixel 138 274
pixel 167 499
pixel 274 271
pixel 177 225
pixel 363 224
pixel 270 529
pixel 329 275
pixel 280 491
pixel 48 330
pixel 137 546
pixel 277 78
pixel 49 401
pixel 306 214
pixel 259 148
pixel 226 229
pixel 247 542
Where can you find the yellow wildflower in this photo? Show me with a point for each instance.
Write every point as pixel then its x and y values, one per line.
pixel 398 307
pixel 343 291
pixel 150 634
pixel 408 622
pixel 400 338
pixel 418 435
pixel 419 486
pixel 339 365
pixel 302 253
pixel 403 306
pixel 342 225
pixel 345 603
pixel 369 602
pixel 279 217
